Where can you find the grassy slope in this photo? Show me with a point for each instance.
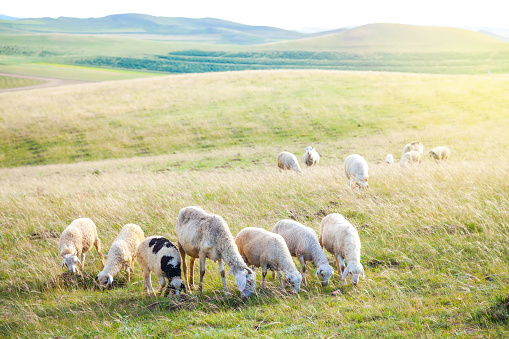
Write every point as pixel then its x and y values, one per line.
pixel 12 82
pixel 434 236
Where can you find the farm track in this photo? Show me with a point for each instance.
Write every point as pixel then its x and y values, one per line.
pixel 49 82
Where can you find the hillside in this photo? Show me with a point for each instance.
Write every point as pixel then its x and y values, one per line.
pixel 394 37
pixel 160 28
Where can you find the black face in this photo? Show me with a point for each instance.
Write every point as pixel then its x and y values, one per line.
pixel 159 243
pixel 170 270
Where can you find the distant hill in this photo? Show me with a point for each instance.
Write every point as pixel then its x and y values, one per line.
pixel 6 17
pixel 393 37
pixel 158 28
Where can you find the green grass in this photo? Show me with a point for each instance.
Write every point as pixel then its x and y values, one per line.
pixel 13 82
pixel 434 236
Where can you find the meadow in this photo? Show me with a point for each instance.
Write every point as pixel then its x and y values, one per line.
pixel 434 235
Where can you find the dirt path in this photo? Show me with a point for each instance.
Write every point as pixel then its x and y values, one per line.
pixel 48 82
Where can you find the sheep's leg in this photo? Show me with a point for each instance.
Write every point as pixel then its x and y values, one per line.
pixel 191 273
pixel 202 271
pixel 303 269
pixel 340 264
pixel 97 245
pixel 162 282
pixel 82 259
pixel 221 272
pixel 184 265
pixel 264 273
pixel 281 286
pixel 147 283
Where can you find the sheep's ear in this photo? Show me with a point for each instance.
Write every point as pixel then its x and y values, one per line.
pixel 240 280
pixel 345 273
pixel 110 279
pixel 63 264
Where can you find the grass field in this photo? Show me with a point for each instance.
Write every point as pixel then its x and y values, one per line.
pixel 12 82
pixel 434 236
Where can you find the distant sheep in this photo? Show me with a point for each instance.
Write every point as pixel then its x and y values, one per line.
pixel 157 254
pixel 287 161
pixel 311 157
pixel 413 146
pixel 268 250
pixel 77 239
pixel 389 159
pixel 411 157
pixel 303 243
pixel 341 239
pixel 440 153
pixel 121 254
pixel 356 170
pixel 202 235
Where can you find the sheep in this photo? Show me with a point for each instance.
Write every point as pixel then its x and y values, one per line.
pixel 356 169
pixel 288 161
pixel 341 239
pixel 77 239
pixel 303 243
pixel 261 248
pixel 157 254
pixel 202 235
pixel 121 254
pixel 413 146
pixel 440 153
pixel 389 159
pixel 311 157
pixel 410 158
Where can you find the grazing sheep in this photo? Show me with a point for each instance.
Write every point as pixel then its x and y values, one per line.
pixel 157 254
pixel 77 239
pixel 356 169
pixel 389 159
pixel 440 153
pixel 287 161
pixel 341 239
pixel 303 243
pixel 411 157
pixel 202 235
pixel 413 146
pixel 121 254
pixel 261 248
pixel 311 157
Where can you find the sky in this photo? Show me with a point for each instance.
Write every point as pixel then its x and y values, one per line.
pixel 287 14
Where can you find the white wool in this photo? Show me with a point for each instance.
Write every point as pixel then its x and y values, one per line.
pixel 440 153
pixel 412 157
pixel 356 170
pixel 310 157
pixel 287 161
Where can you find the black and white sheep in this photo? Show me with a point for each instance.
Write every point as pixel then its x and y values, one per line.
pixel 202 235
pixel 157 254
pixel 77 239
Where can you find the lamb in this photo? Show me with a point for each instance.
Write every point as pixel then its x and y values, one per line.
pixel 77 239
pixel 411 157
pixel 202 235
pixel 413 146
pixel 261 248
pixel 356 169
pixel 311 157
pixel 157 254
pixel 341 239
pixel 303 243
pixel 121 254
pixel 389 159
pixel 287 161
pixel 440 153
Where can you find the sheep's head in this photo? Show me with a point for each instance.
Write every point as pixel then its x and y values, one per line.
pixel 431 154
pixel 176 285
pixel 362 183
pixel 354 271
pixel 246 281
pixel 324 273
pixel 104 279
pixel 70 260
pixel 308 149
pixel 294 279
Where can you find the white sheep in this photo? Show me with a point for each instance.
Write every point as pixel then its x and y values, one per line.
pixel 77 239
pixel 121 254
pixel 413 146
pixel 310 157
pixel 287 161
pixel 157 254
pixel 202 235
pixel 341 239
pixel 356 169
pixel 261 248
pixel 411 157
pixel 389 159
pixel 440 153
pixel 303 243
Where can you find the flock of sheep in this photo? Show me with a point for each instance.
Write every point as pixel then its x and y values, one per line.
pixel 201 235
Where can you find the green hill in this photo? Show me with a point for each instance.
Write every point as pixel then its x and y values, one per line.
pixel 146 26
pixel 392 37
